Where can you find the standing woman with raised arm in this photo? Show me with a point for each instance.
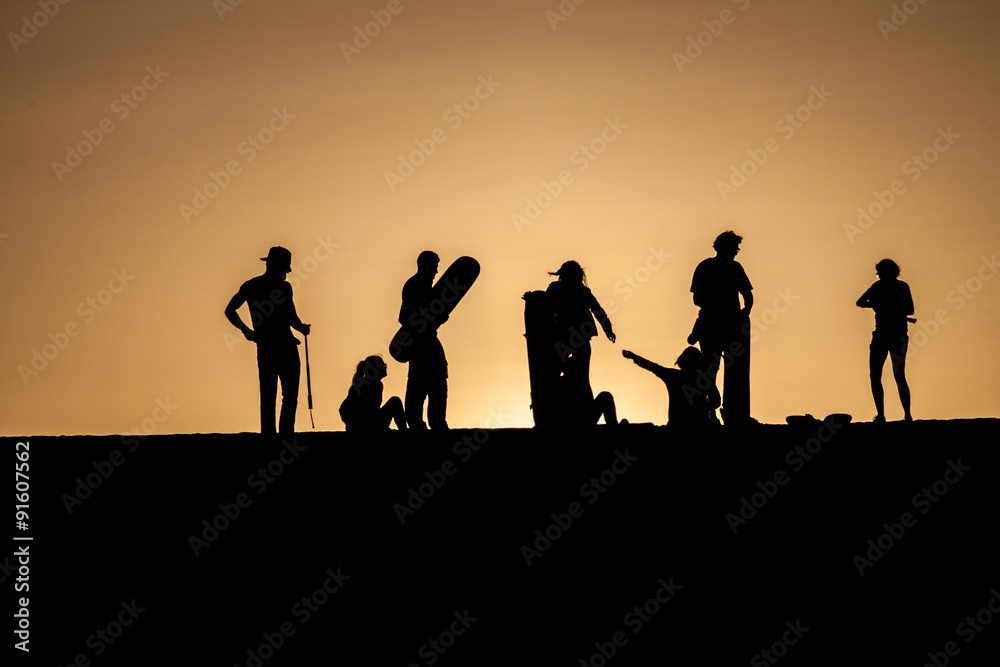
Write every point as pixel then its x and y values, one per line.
pixel 575 307
pixel 891 299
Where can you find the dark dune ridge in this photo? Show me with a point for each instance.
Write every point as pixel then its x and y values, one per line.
pixel 517 546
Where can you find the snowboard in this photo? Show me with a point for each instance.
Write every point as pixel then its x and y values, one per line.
pixel 453 284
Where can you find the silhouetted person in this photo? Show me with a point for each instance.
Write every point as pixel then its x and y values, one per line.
pixel 272 313
pixel 723 327
pixel 428 373
pixel 891 299
pixel 574 307
pixel 362 410
pixel 692 394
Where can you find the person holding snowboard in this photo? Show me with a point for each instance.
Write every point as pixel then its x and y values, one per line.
pixel 428 373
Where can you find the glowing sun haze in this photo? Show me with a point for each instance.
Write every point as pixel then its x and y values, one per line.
pixel 154 151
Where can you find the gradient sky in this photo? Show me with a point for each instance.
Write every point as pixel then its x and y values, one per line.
pixel 666 119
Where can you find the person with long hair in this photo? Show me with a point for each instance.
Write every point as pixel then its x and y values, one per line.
pixel 362 410
pixel 574 308
pixel 892 302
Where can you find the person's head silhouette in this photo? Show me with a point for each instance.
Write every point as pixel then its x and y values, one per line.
pixel 427 263
pixel 570 272
pixel 727 244
pixel 374 368
pixel 691 359
pixel 278 261
pixel 887 270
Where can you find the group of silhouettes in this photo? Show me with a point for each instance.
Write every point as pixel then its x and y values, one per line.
pixel 721 332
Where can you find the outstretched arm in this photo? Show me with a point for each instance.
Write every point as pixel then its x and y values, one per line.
pixel 643 363
pixel 234 317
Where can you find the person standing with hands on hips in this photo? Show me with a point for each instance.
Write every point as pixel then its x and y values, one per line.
pixel 273 316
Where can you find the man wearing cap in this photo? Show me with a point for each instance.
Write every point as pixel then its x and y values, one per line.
pixel 272 314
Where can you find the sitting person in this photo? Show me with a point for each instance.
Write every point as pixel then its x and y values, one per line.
pixel 362 410
pixel 692 394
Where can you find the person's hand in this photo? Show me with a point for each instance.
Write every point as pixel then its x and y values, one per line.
pixel 304 329
pixel 248 334
pixel 611 336
pixel 627 354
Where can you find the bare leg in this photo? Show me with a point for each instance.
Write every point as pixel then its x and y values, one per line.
pixel 604 404
pixel 899 373
pixel 876 359
pixel 393 411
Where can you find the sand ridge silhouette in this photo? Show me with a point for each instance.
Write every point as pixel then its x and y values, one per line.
pixel 548 540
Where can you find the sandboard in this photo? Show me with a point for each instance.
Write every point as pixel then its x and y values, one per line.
pixel 543 359
pixel 453 284
pixel 736 379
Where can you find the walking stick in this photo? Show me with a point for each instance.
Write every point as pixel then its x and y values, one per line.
pixel 309 389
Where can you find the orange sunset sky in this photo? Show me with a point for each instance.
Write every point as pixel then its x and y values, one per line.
pixel 153 151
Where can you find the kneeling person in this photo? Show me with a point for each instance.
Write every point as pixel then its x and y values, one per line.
pixel 693 396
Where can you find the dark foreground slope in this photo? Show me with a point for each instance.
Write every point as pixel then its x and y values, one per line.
pixel 858 543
